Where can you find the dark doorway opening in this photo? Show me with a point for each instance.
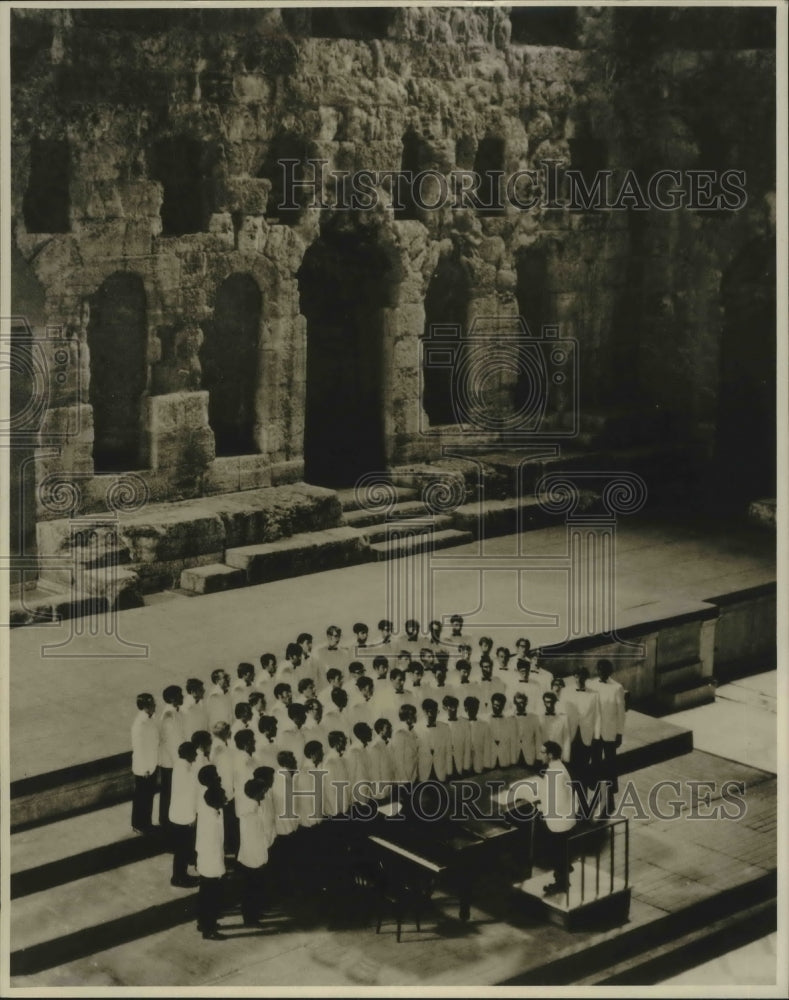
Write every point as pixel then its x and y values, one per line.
pixel 229 359
pixel 489 165
pixel 746 433
pixel 117 338
pixel 446 306
pixel 287 198
pixel 47 201
pixel 346 283
pixel 183 167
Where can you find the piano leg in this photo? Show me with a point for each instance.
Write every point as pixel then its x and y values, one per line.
pixel 464 894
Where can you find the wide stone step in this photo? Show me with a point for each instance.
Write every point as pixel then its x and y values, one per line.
pixel 351 498
pixel 70 921
pixel 69 849
pixel 212 578
pixel 309 552
pixel 380 532
pixel 363 518
pixel 407 545
pixel 511 515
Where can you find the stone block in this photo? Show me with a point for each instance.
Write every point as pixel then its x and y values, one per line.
pixel 212 578
pixel 247 195
pixel 302 553
pixel 220 225
pixel 138 238
pixel 174 414
pixel 291 471
pixel 160 533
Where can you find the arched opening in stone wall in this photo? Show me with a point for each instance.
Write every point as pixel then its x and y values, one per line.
pixel 411 162
pixel 346 282
pixel 545 26
pixel 465 151
pixel 532 295
pixel 746 431
pixel 46 202
pixel 588 157
pixel 446 306
pixel 229 358
pixel 181 165
pixel 284 191
pixel 489 164
pixel 117 341
pixel 347 22
pixel 531 289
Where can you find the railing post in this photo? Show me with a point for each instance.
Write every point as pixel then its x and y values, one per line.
pixel 611 830
pixel 627 851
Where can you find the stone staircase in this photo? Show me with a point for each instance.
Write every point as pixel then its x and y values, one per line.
pixel 218 543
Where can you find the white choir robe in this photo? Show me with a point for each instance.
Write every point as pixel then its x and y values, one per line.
pixel 293 739
pixel 529 736
pixel 434 751
pixel 542 677
pixel 218 707
pixel 391 702
pixel 222 757
pixel 504 740
pixel 460 741
pixel 338 784
pixel 555 727
pixel 359 764
pixel 240 692
pixel 486 690
pixel 286 820
pixel 533 692
pixel 480 740
pixel 183 801
pixel 324 659
pixel 266 753
pixel 463 691
pixel 405 751
pixel 339 721
pixel 210 841
pixel 239 725
pixel 583 710
pixel 171 736
pixel 309 794
pixel 145 738
pixel 363 711
pixel 257 832
pixel 243 771
pixel 316 732
pixel 195 716
pixel 611 714
pixel 382 767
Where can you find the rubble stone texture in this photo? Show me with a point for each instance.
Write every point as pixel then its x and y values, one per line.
pixel 197 316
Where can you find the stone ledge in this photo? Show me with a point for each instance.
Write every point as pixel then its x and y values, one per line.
pixel 307 552
pixel 212 578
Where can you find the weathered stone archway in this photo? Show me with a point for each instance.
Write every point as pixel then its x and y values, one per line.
pixel 117 341
pixel 229 359
pixel 347 284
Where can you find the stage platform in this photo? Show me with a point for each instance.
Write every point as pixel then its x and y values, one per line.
pixel 72 693
pixel 70 718
pixel 122 924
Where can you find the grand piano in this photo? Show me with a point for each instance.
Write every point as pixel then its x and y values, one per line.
pixel 422 845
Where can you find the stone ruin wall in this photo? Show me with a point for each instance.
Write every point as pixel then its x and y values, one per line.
pixel 643 298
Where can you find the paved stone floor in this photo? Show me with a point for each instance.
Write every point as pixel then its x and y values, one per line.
pixel 674 862
pixel 83 706
pixel 77 708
